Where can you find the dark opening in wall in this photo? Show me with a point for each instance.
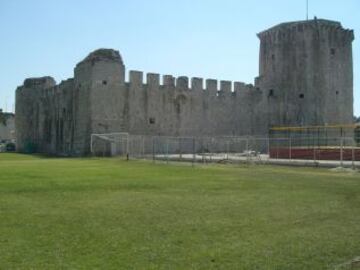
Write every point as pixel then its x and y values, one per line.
pixel 104 82
pixel 332 51
pixel 271 93
pixel 151 120
pixel 337 92
pixel 273 56
pixel 301 96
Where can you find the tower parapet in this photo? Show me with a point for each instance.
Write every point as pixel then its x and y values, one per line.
pixel 39 83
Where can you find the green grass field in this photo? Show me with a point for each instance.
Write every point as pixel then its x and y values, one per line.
pixel 113 214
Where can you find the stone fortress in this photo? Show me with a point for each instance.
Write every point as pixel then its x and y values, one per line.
pixel 305 78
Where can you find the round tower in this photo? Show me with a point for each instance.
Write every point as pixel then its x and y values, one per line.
pixel 306 73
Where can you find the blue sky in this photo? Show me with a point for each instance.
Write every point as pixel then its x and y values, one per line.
pixel 203 38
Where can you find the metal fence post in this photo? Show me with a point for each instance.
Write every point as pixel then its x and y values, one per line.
pixel 314 150
pixel 153 149
pixel 353 156
pixel 180 149
pixel 91 145
pixel 167 151
pixel 290 154
pixel 247 150
pixel 203 150
pixel 341 151
pixel 193 146
pixel 143 147
pixel 127 147
pixel 227 150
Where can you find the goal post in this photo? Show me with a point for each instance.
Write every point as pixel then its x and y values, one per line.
pixel 109 144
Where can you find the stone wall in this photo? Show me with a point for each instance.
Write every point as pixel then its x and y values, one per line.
pixel 7 126
pixel 305 79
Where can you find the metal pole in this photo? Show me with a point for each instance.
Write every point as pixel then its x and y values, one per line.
pixel 353 156
pixel 227 150
pixel 193 161
pixel 307 10
pixel 203 150
pixel 127 147
pixel 247 149
pixel 167 151
pixel 290 154
pixel 153 148
pixel 180 148
pixel 314 150
pixel 91 145
pixel 341 152
pixel 143 146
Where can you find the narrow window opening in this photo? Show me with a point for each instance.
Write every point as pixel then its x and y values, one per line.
pixel 271 92
pixel 301 96
pixel 104 82
pixel 151 120
pixel 337 92
pixel 332 51
pixel 273 56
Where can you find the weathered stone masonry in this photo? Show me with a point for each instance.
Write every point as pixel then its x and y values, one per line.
pixel 305 79
pixel 7 126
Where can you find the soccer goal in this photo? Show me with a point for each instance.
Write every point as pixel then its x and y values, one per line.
pixel 110 144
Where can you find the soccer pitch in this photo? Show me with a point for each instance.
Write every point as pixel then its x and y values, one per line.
pixel 112 214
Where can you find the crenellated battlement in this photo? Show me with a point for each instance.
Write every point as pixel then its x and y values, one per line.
pixel 136 80
pixel 184 83
pixel 212 87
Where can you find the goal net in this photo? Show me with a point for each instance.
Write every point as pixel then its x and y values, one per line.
pixel 110 144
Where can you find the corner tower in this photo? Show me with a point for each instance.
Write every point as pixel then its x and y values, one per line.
pixel 306 73
pixel 98 81
pixel 29 114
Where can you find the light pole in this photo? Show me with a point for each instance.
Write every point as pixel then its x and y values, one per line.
pixel 307 10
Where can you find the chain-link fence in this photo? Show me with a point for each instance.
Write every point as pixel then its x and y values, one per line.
pixel 331 152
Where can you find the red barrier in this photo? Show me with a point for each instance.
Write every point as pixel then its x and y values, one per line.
pixel 317 153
